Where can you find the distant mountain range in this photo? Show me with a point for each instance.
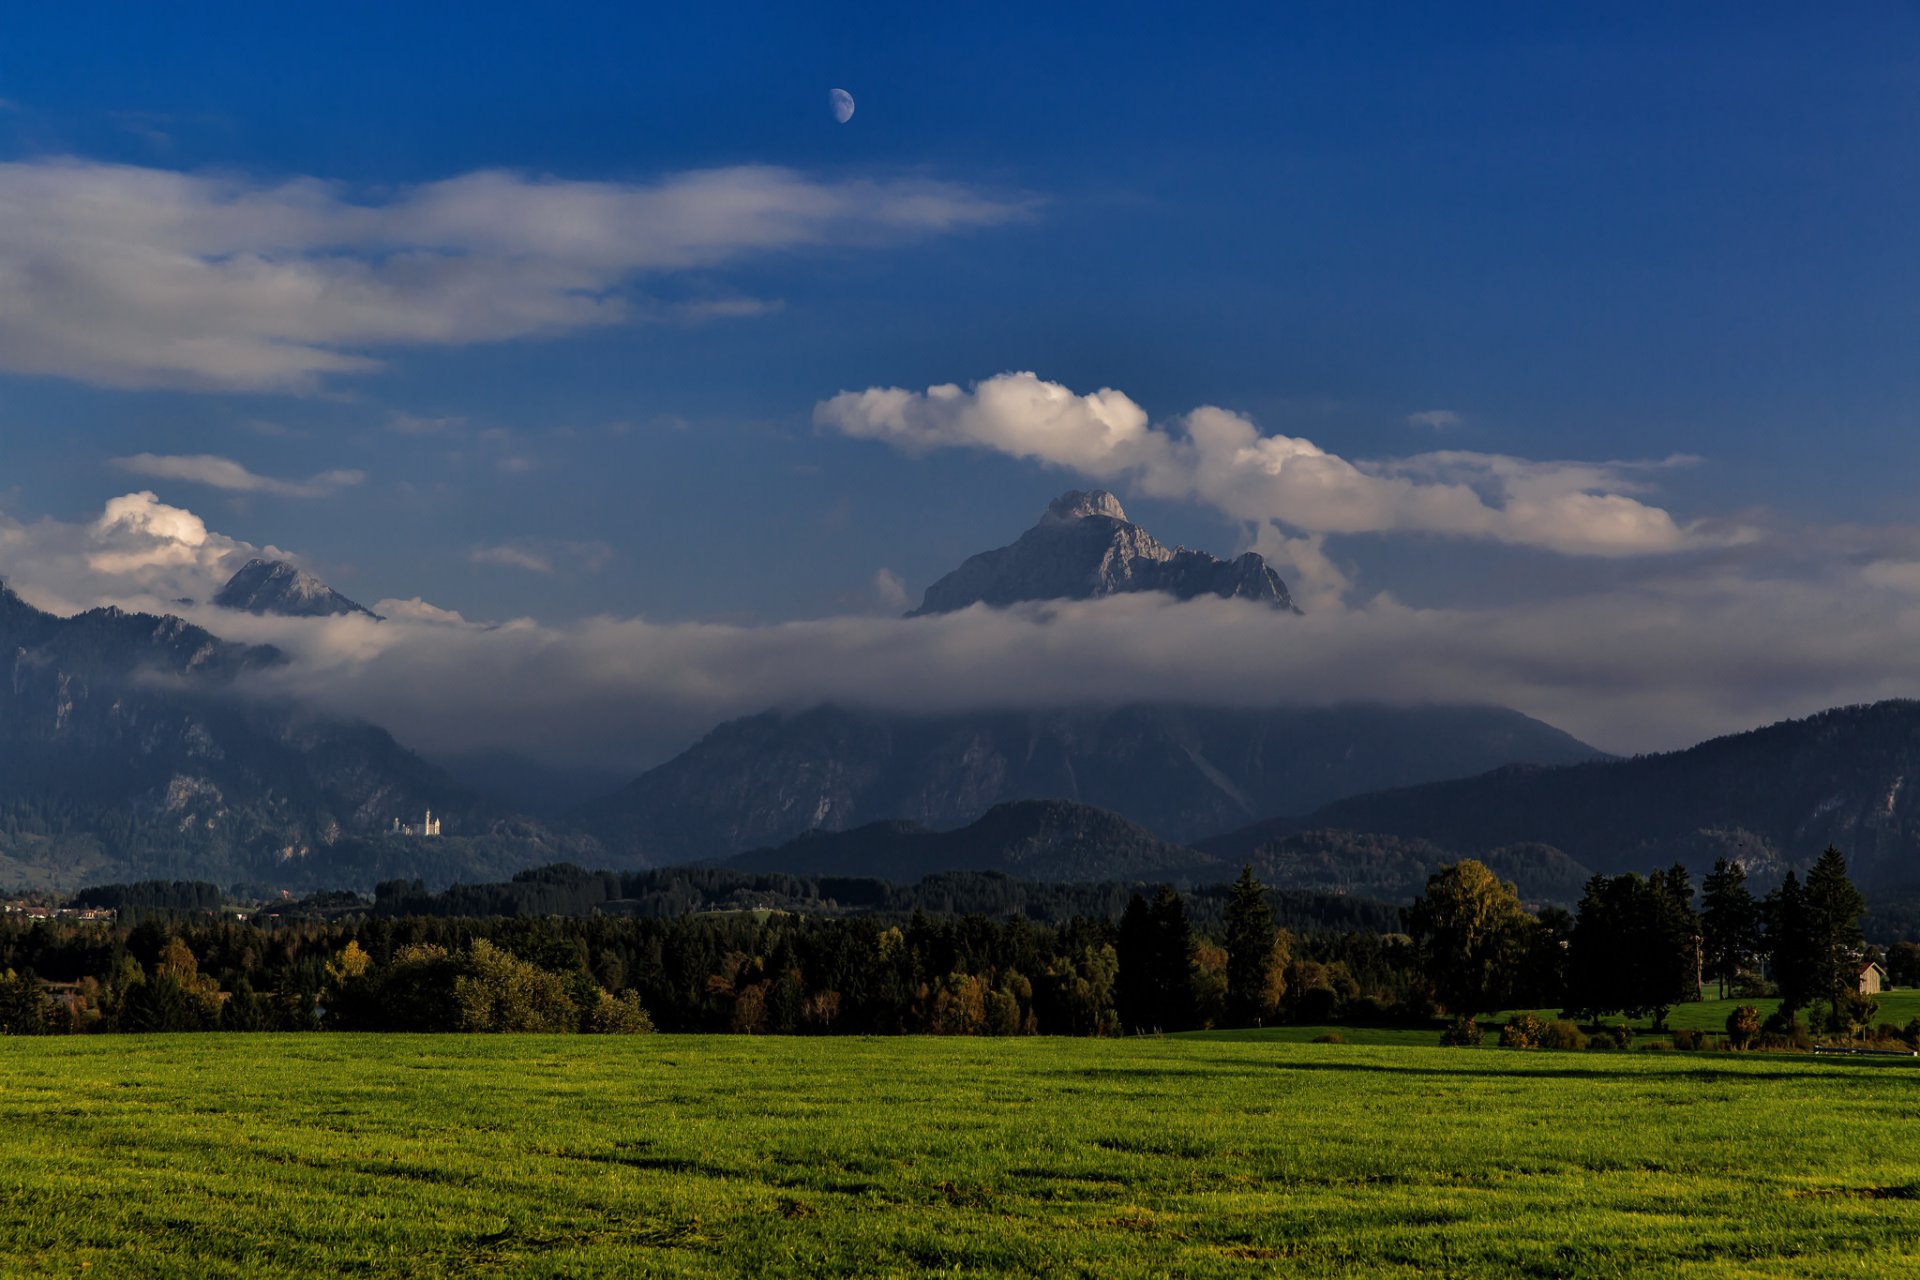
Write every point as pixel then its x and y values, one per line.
pixel 1182 772
pixel 126 752
pixel 1032 839
pixel 274 586
pixel 1772 798
pixel 1084 547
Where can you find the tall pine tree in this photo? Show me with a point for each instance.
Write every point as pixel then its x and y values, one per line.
pixel 1834 939
pixel 1250 939
pixel 1790 946
pixel 1729 922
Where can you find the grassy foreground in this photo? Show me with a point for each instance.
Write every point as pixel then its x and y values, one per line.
pixel 522 1156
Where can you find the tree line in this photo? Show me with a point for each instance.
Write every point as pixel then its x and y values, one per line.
pixel 1152 968
pixel 1164 961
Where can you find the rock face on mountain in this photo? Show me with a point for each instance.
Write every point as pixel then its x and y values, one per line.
pixel 128 752
pixel 1772 798
pixel 1052 840
pixel 274 586
pixel 1083 547
pixel 1183 772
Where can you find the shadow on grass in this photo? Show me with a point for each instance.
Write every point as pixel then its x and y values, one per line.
pixel 1474 1063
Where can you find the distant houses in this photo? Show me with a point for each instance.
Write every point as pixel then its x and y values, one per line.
pixel 39 911
pixel 1872 979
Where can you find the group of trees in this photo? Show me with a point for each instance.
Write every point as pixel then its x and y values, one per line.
pixel 1162 965
pixel 1640 945
pixel 1636 945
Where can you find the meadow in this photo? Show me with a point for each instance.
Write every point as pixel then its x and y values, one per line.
pixel 308 1155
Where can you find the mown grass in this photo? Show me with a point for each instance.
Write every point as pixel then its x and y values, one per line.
pixel 522 1156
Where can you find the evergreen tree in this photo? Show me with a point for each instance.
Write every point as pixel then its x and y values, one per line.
pixel 1790 951
pixel 1133 994
pixel 1834 939
pixel 1669 969
pixel 1250 938
pixel 1729 922
pixel 1172 962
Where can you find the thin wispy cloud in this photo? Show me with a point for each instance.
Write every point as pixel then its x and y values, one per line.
pixel 544 556
pixel 224 473
pixel 1434 419
pixel 141 277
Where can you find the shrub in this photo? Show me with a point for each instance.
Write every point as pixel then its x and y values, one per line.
pixel 1911 1033
pixel 1785 1030
pixel 1686 1040
pixel 620 1015
pixel 1854 1013
pixel 1331 1037
pixel 1522 1031
pixel 1461 1033
pixel 1614 1037
pixel 1561 1034
pixel 1743 1024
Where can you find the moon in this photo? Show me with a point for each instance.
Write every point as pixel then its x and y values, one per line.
pixel 841 104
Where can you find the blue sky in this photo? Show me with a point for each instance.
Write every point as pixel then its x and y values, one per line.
pixel 1586 232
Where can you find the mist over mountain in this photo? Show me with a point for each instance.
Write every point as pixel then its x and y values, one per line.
pixel 274 586
pixel 1772 798
pixel 127 751
pixel 1182 772
pixel 1085 547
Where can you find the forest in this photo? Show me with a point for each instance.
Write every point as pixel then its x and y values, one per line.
pixel 563 949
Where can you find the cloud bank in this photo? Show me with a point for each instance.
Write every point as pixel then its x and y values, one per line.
pixel 1658 663
pixel 137 277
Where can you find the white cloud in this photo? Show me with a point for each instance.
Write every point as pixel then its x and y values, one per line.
pixel 1220 458
pixel 140 553
pixel 141 277
pixel 1437 419
pixel 891 591
pixel 224 473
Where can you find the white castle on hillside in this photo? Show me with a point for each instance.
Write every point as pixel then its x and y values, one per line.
pixel 430 826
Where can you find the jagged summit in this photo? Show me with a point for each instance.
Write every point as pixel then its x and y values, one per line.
pixel 1084 547
pixel 274 586
pixel 1075 505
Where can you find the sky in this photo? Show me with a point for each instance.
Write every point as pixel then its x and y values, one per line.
pixel 1559 356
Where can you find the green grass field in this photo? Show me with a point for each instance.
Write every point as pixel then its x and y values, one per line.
pixel 522 1156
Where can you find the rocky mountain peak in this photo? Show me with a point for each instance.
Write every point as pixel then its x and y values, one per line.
pixel 1077 505
pixel 274 586
pixel 1085 547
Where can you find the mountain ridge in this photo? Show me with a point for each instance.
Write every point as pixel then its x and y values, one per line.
pixel 1771 797
pixel 1181 771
